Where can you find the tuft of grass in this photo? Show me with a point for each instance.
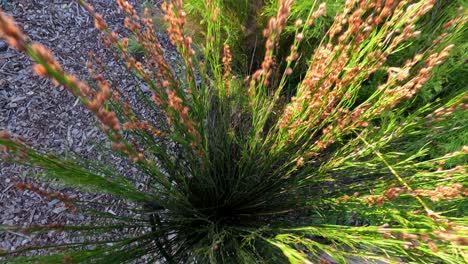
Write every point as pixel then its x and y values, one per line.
pixel 261 166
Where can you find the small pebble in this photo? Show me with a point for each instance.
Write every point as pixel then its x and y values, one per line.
pixel 3 46
pixel 58 210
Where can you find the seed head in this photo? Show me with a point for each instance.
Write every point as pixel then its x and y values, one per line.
pixel 11 33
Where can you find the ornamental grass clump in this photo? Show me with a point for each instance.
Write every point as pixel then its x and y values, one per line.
pixel 256 168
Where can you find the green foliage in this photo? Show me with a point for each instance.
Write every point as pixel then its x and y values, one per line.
pixel 245 20
pixel 242 27
pixel 444 82
pixel 299 159
pixel 312 34
pixel 135 48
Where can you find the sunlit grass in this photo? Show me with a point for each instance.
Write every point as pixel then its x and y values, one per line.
pixel 264 165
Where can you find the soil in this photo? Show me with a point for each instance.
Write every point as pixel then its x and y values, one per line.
pixel 49 117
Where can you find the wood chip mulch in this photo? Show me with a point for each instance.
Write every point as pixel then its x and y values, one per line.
pixel 50 117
